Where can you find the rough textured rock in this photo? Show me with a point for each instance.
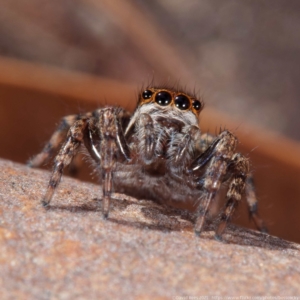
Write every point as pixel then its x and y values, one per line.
pixel 142 251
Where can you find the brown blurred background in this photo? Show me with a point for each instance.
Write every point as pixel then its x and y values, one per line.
pixel 63 57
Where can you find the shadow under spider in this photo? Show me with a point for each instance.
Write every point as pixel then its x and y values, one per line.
pixel 248 237
pixel 166 219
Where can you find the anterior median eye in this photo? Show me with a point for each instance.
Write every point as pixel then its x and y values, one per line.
pixel 147 94
pixel 182 102
pixel 197 104
pixel 163 98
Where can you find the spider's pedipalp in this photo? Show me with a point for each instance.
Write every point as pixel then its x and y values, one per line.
pixel 182 150
pixel 146 137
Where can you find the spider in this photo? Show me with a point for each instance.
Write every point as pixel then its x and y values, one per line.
pixel 158 153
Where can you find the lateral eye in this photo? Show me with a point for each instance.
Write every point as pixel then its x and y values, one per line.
pixel 197 104
pixel 163 98
pixel 147 94
pixel 182 102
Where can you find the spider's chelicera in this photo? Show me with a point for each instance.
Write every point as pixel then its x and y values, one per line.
pixel 157 153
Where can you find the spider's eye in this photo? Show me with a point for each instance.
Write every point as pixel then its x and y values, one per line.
pixel 147 94
pixel 163 98
pixel 182 102
pixel 197 104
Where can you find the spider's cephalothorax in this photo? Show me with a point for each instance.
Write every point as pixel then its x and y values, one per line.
pixel 157 153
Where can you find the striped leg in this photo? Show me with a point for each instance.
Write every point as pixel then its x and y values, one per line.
pixel 218 157
pixel 74 139
pixel 252 204
pixel 238 168
pixel 112 144
pixel 56 139
pixel 240 181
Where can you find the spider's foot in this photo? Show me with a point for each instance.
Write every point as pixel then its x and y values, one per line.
pixel 197 232
pixel 29 163
pixel 45 203
pixel 218 238
pixel 105 215
pixel 199 225
pixel 260 225
pixel 38 160
pixel 264 229
pixel 105 207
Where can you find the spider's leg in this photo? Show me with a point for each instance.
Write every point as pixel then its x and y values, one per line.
pixel 253 204
pixel 217 157
pixel 56 139
pixel 88 141
pixel 112 143
pixel 238 167
pixel 68 150
pixel 240 181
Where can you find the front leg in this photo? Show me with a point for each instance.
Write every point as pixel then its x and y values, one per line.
pixel 217 157
pixel 238 171
pixel 253 205
pixel 113 147
pixel 240 180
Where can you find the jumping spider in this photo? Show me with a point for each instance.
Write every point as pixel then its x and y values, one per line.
pixel 157 153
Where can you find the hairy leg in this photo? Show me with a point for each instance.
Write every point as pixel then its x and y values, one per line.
pixel 216 157
pixel 67 152
pixel 55 141
pixel 112 146
pixel 253 204
pixel 238 168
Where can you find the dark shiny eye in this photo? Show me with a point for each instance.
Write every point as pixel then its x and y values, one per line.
pixel 197 104
pixel 182 102
pixel 147 94
pixel 163 98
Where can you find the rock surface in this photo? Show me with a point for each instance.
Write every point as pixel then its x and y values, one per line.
pixel 142 251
